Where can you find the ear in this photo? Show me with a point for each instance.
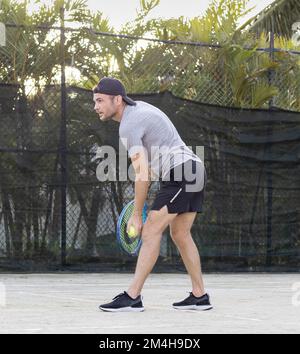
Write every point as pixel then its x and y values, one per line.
pixel 119 99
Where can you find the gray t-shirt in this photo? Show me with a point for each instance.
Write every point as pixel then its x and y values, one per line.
pixel 146 128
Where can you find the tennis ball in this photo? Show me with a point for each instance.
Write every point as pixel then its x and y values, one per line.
pixel 132 232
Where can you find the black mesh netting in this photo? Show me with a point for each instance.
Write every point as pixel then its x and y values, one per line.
pixel 251 219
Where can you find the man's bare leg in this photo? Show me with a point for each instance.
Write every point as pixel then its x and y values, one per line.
pixel 152 231
pixel 180 228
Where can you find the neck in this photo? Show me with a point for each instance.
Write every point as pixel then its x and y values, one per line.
pixel 118 116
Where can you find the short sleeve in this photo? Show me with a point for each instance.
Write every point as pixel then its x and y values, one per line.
pixel 133 140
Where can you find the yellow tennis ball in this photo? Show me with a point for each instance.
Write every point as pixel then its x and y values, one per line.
pixel 132 231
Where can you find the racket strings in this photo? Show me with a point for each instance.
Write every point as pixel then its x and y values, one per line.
pixel 129 243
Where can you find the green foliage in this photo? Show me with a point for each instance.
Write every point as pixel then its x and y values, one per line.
pixel 277 17
pixel 229 76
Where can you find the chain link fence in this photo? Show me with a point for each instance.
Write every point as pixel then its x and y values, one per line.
pixel 243 226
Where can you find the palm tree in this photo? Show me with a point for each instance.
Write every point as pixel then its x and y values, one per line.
pixel 278 17
pixel 281 18
pixel 31 59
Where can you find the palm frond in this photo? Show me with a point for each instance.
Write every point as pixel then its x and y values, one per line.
pixel 262 94
pixel 278 17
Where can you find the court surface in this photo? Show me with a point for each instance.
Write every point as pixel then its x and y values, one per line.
pixel 68 303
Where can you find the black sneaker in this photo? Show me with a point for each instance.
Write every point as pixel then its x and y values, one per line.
pixel 194 303
pixel 123 303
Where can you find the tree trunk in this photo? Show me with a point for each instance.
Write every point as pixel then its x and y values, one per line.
pixel 49 208
pixel 35 222
pixel 54 229
pixel 7 217
pixel 92 223
pixel 28 247
pixel 76 232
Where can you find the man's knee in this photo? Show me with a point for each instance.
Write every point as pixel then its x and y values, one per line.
pixel 151 233
pixel 180 237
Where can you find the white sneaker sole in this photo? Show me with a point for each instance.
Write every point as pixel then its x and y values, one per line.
pixel 124 309
pixel 194 307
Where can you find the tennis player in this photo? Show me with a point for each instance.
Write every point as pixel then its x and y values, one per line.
pixel 156 149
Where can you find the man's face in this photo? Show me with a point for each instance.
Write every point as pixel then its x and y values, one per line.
pixel 105 106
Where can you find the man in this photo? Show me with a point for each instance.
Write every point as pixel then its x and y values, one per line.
pixel 154 145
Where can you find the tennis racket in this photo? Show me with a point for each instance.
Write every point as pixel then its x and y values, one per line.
pixel 131 245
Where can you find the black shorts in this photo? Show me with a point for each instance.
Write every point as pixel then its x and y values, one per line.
pixel 184 194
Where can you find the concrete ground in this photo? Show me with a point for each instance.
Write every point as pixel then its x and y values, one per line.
pixel 68 303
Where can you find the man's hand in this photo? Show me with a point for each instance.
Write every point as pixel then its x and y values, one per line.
pixel 137 222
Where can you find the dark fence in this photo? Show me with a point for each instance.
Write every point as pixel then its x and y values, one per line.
pixel 53 211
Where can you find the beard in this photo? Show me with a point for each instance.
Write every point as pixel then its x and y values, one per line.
pixel 105 118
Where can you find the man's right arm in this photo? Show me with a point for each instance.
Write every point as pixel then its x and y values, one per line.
pixel 142 181
pixel 141 187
